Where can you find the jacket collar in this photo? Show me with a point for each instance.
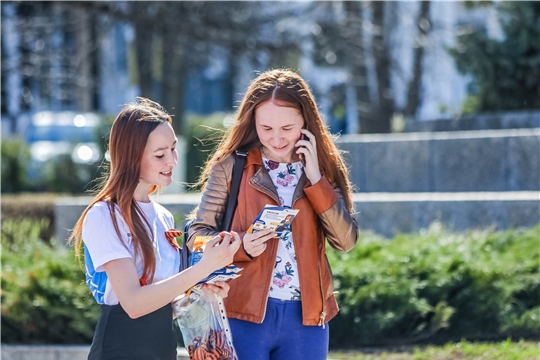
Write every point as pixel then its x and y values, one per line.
pixel 254 157
pixel 261 179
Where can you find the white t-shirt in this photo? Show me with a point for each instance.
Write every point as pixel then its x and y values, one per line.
pixel 103 245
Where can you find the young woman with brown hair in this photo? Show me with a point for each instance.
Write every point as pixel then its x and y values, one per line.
pixel 280 306
pixel 130 254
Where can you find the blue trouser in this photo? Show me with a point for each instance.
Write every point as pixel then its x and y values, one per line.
pixel 281 336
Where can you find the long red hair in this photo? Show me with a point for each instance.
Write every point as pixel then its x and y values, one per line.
pixel 128 137
pixel 285 88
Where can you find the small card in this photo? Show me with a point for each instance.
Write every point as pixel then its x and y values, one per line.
pixel 276 218
pixel 226 273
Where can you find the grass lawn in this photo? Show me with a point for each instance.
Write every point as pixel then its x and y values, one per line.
pixel 507 350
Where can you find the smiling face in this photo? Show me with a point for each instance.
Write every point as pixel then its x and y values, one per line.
pixel 278 128
pixel 158 160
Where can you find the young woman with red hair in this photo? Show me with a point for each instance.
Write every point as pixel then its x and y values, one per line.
pixel 280 306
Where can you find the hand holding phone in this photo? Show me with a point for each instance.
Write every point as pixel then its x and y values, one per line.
pixel 303 137
pixel 311 163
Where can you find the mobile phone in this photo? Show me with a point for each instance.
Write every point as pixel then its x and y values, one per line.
pixel 303 137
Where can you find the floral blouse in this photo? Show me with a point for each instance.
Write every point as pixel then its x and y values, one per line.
pixel 285 282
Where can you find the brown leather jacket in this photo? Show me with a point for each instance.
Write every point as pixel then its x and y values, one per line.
pixel 323 215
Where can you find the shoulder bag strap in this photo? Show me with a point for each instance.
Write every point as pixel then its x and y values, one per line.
pixel 232 201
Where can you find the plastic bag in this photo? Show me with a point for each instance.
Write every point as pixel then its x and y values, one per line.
pixel 204 325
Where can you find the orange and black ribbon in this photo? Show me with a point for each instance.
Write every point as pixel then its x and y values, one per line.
pixel 171 236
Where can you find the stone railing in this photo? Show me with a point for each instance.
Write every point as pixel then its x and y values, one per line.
pixel 462 161
pixel 405 182
pixel 383 213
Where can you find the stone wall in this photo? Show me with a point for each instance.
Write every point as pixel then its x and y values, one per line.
pixel 463 161
pixel 383 213
pixel 392 213
pixel 406 182
pixel 485 121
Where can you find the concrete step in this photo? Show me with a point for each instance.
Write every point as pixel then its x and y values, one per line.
pixel 383 213
pixel 456 161
pixel 57 352
pixel 391 213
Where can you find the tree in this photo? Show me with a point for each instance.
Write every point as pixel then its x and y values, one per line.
pixel 54 47
pixel 342 41
pixel 171 39
pixel 506 73
pixel 357 54
pixel 413 91
pixel 380 121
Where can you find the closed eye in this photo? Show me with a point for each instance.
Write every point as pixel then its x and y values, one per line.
pixel 284 129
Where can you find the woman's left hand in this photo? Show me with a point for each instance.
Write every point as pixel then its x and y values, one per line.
pixel 221 288
pixel 308 149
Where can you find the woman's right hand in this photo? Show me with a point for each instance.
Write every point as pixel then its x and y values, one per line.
pixel 220 288
pixel 219 251
pixel 255 243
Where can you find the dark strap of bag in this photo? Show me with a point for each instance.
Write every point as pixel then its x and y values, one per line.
pixel 232 201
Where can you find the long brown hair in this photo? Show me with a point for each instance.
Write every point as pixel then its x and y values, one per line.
pixel 128 137
pixel 285 88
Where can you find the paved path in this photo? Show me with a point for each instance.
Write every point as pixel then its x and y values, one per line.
pixel 56 352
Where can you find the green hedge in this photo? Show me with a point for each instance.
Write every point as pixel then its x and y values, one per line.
pixel 59 174
pixel 29 206
pixel 15 156
pixel 438 286
pixel 44 298
pixel 433 286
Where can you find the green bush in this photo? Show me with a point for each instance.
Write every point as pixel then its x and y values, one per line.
pixel 202 136
pixel 63 175
pixel 31 207
pixel 15 159
pixel 437 286
pixel 434 286
pixel 44 298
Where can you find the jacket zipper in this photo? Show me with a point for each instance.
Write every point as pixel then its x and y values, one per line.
pixel 272 196
pixel 266 302
pixel 268 290
pixel 322 317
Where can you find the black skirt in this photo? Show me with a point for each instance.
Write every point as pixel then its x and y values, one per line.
pixel 118 336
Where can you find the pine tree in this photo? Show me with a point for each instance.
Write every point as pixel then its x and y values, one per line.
pixel 506 73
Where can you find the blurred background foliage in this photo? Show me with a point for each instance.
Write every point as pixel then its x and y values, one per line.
pixel 505 73
pixel 438 286
pixel 62 175
pixel 196 58
pixel 203 135
pixel 433 286
pixel 372 65
pixel 43 297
